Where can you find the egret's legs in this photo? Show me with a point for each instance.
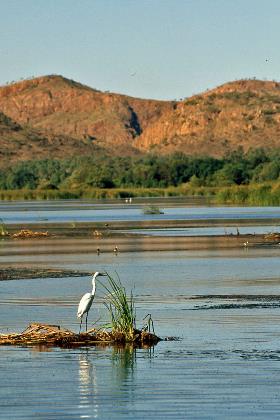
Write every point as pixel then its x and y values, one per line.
pixel 86 321
pixel 81 324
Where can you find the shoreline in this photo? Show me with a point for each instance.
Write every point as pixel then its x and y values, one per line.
pixel 114 228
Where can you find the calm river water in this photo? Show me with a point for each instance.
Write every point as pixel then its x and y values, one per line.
pixel 117 210
pixel 223 304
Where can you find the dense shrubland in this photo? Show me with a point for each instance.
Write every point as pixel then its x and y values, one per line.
pixel 234 178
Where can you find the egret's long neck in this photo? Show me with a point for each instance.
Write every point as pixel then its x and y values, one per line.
pixel 93 286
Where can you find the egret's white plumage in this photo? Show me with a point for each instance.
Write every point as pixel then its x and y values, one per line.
pixel 86 301
pixel 85 304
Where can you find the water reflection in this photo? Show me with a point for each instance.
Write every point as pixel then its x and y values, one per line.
pixel 108 380
pixel 88 388
pixel 123 363
pixel 226 365
pixel 53 213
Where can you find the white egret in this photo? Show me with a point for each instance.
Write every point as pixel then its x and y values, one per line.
pixel 86 301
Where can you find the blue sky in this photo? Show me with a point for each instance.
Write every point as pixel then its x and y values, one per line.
pixel 164 49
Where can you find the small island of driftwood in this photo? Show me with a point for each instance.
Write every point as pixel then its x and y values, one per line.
pixel 122 325
pixel 55 336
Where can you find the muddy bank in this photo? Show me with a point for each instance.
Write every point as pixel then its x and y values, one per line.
pixel 114 229
pixel 12 273
pixel 43 258
pixel 116 245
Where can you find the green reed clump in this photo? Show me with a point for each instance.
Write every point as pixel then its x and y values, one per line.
pixel 3 229
pixel 152 210
pixel 121 309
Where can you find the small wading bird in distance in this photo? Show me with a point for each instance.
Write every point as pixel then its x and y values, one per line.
pixel 86 301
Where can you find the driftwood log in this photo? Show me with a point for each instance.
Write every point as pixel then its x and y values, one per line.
pixel 55 336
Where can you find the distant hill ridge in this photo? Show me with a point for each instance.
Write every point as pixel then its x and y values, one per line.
pixel 52 116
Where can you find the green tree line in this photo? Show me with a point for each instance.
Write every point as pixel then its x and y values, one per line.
pixel 150 171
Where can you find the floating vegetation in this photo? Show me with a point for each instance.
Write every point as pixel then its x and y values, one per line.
pixel 97 233
pixel 55 336
pixel 274 236
pixel 27 233
pixel 152 210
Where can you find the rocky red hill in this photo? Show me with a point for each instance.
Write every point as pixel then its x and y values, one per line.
pixel 245 113
pixel 56 117
pixel 58 106
pixel 25 143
